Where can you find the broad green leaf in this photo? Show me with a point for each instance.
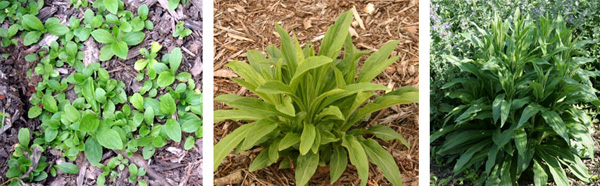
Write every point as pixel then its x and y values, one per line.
pixel 358 157
pixel 112 5
pixel 189 143
pixel 24 137
pixel 172 4
pixel 167 104
pixel 308 138
pixel 308 64
pixel 528 112
pixel 31 38
pixel 504 111
pixel 69 168
pixel 332 111
pixel 89 122
pixel 275 87
pixel 378 62
pixel 31 22
pixel 88 93
pixel 109 138
pixel 34 112
pixel 143 11
pixel 93 151
pixel 173 130
pixel 103 36
pixel 120 49
pixel 386 133
pixel 338 163
pixel 540 178
pixel 554 120
pixel 558 173
pixel 165 78
pixel 133 38
pixel 289 140
pixel 260 129
pixel 261 161
pixel 383 160
pixel 149 115
pixel 137 101
pixel 54 26
pixel 307 165
pixel 49 103
pixel 237 115
pixel 336 35
pixel 106 53
pixel 496 106
pixel 229 142
pixel 175 59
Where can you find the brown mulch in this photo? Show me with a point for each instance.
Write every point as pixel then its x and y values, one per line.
pixel 245 25
pixel 177 168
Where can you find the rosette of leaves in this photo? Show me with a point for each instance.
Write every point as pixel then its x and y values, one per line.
pixel 311 109
pixel 26 162
pixel 35 28
pixel 13 10
pixel 518 114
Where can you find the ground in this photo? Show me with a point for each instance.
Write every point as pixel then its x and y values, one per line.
pixel 245 25
pixel 177 168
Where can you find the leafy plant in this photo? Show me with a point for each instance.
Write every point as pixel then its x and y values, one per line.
pixel 13 10
pixel 172 4
pixel 26 163
pixel 36 28
pixel 181 31
pixel 311 108
pixel 79 3
pixel 115 45
pixel 518 111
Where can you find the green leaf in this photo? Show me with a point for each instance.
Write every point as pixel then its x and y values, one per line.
pixel 307 165
pixel 110 139
pixel 88 93
pixel 165 78
pixel 336 35
pixel 339 162
pixel 49 103
pixel 133 38
pixel 496 105
pixel 55 27
pixel 69 168
pixel 554 120
pixel 93 151
pixel 378 62
pixel 189 143
pixel 386 133
pixel 89 122
pixel 261 129
pixel 167 104
pixel 24 137
pixel 528 112
pixel 228 143
pixel 308 64
pixel 137 101
pixel 143 11
pixel 31 22
pixel 175 59
pixel 103 36
pixel 100 95
pixel 149 115
pixel 112 5
pixel 384 161
pixel 540 178
pixel 173 130
pixel 558 173
pixel 261 161
pixel 34 112
pixel 31 38
pixel 172 4
pixel 106 53
pixel 308 138
pixel 358 157
pixel 71 113
pixel 120 49
pixel 289 140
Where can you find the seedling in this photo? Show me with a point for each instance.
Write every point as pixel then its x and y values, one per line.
pixel 181 31
pixel 311 108
pixel 27 162
pixel 35 28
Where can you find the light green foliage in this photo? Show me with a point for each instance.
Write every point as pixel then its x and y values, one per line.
pixel 181 31
pixel 24 156
pixel 172 4
pixel 311 107
pixel 517 110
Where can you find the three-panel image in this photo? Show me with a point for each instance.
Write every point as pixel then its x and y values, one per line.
pixel 303 93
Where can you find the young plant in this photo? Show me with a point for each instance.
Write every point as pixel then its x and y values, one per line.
pixel 13 10
pixel 172 4
pixel 181 31
pixel 27 162
pixel 35 28
pixel 518 114
pixel 7 34
pixel 311 109
pixel 116 43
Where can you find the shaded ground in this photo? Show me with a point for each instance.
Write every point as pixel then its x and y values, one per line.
pixel 241 26
pixel 178 168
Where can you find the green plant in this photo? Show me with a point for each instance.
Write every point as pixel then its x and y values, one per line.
pixel 36 28
pixel 181 31
pixel 26 162
pixel 518 110
pixel 13 10
pixel 172 4
pixel 115 45
pixel 311 108
pixel 79 3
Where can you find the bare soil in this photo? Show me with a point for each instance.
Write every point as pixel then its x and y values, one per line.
pixel 245 25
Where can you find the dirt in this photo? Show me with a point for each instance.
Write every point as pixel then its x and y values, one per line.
pixel 174 165
pixel 245 25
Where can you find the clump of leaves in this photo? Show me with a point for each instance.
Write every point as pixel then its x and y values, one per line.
pixel 181 31
pixel 26 163
pixel 311 109
pixel 120 163
pixel 78 3
pixel 13 10
pixel 35 28
pixel 172 4
pixel 518 111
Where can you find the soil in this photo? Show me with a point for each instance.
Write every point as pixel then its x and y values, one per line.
pixel 245 25
pixel 171 162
